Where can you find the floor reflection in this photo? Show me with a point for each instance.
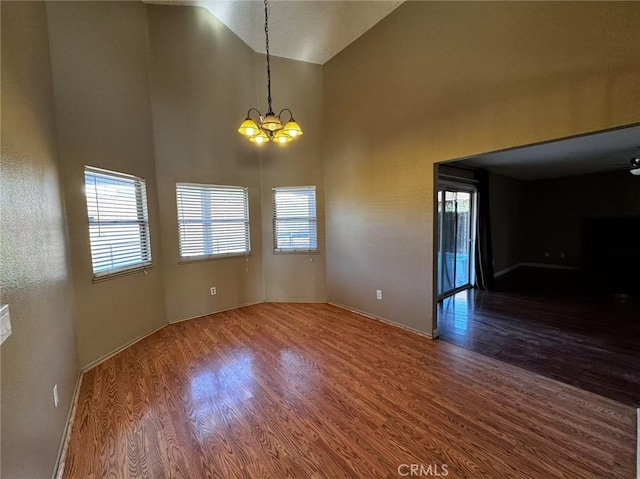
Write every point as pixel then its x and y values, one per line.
pixel 454 311
pixel 219 386
pixel 300 374
pixel 586 340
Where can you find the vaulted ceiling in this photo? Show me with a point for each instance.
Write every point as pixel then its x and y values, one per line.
pixel 306 30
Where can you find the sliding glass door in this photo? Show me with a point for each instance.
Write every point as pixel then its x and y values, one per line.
pixel 456 221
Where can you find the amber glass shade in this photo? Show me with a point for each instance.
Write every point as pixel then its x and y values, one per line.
pixel 272 123
pixel 292 129
pixel 249 128
pixel 281 137
pixel 261 137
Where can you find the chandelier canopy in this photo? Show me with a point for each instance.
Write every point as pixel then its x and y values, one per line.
pixel 269 127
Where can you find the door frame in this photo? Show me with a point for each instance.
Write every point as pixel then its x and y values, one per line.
pixel 465 186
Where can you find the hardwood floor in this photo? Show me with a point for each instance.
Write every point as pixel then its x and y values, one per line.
pixel 312 391
pixel 590 342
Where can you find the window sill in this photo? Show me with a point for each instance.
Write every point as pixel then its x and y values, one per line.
pixel 196 259
pixel 296 251
pixel 122 272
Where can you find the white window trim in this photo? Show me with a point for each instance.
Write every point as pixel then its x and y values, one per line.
pixel 276 249
pixel 136 267
pixel 215 256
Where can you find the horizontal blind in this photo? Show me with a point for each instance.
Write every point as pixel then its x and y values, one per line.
pixel 118 221
pixel 294 219
pixel 213 220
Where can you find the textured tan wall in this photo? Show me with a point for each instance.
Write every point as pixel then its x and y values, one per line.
pixel 297 86
pixel 201 84
pixel 99 54
pixel 442 80
pixel 34 267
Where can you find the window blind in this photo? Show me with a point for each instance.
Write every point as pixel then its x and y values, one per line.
pixel 294 219
pixel 118 221
pixel 213 220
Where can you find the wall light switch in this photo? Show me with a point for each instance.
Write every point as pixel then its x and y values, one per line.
pixel 5 323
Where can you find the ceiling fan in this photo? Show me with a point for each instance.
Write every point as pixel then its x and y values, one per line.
pixel 635 166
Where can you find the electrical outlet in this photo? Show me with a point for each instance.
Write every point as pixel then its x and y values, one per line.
pixel 378 294
pixel 562 256
pixel 55 396
pixel 546 254
pixel 213 291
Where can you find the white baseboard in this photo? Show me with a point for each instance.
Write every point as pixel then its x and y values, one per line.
pixel 58 470
pixel 382 320
pixel 244 305
pixel 504 271
pixel 297 301
pixel 552 266
pixel 119 349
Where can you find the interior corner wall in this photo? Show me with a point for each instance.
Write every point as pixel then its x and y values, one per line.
pixel 201 85
pixel 506 215
pixel 157 91
pixel 298 86
pixel 435 81
pixel 34 261
pixel 99 56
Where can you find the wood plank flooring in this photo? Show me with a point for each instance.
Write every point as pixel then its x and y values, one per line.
pixel 591 342
pixel 312 391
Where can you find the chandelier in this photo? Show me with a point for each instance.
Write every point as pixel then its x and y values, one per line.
pixel 269 127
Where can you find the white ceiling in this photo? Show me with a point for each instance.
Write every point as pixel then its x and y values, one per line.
pixel 599 152
pixel 306 30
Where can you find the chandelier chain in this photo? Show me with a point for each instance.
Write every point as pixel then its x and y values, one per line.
pixel 266 35
pixel 269 127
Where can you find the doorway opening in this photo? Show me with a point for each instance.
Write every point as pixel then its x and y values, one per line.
pixel 555 287
pixel 456 236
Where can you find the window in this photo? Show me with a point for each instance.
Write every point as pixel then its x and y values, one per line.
pixel 118 221
pixel 294 219
pixel 212 220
